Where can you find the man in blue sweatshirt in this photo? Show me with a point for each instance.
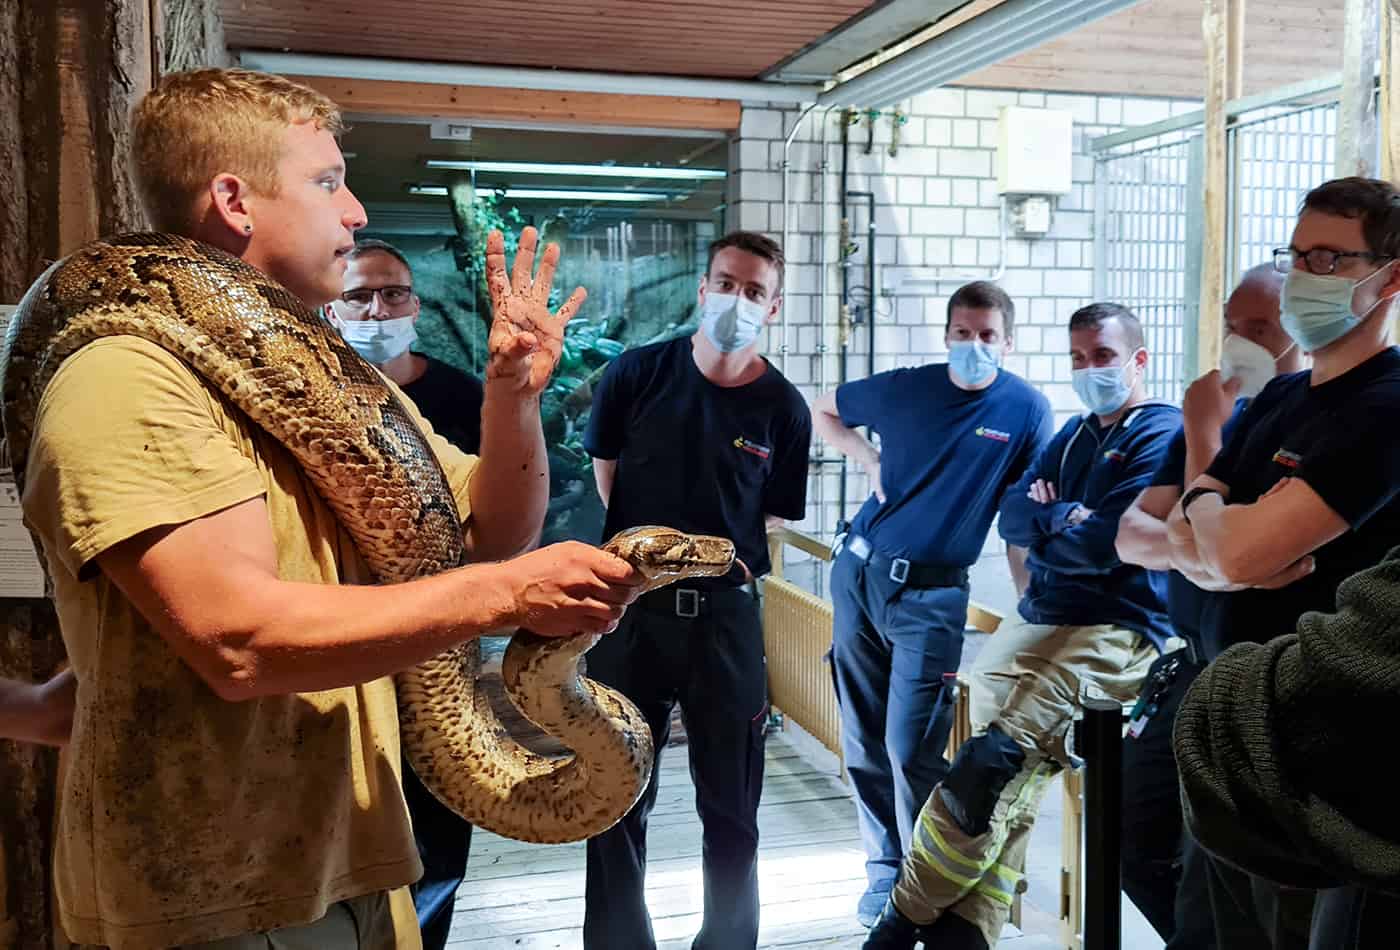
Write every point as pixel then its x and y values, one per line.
pixel 1088 623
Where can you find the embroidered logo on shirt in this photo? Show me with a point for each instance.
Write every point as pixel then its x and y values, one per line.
pixel 753 448
pixel 1287 459
pixel 1115 455
pixel 996 435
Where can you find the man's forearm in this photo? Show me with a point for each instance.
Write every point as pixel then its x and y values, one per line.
pixel 510 487
pixel 29 714
pixel 1202 446
pixel 295 638
pixel 1142 540
pixel 848 442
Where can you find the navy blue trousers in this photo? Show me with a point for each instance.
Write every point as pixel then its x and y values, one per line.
pixel 891 646
pixel 713 665
pixel 1164 870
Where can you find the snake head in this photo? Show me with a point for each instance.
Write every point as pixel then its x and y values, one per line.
pixel 664 555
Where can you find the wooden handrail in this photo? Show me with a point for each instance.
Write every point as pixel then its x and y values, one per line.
pixel 803 542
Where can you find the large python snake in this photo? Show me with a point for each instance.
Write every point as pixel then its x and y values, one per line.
pixel 290 372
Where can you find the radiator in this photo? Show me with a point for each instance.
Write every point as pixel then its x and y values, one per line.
pixel 796 636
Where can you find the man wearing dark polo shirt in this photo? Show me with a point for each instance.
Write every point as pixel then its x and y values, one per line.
pixel 1306 491
pixel 1164 871
pixel 953 437
pixel 701 434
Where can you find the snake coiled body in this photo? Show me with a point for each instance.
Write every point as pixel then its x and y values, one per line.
pixel 290 372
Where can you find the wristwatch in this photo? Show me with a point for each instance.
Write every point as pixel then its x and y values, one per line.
pixel 1191 496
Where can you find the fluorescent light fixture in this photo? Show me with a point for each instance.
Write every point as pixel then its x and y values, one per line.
pixel 558 194
pixel 513 77
pixel 558 168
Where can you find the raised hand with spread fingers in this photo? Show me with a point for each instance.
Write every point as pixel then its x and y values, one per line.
pixel 525 339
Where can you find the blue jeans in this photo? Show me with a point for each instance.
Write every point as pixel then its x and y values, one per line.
pixel 891 646
pixel 444 839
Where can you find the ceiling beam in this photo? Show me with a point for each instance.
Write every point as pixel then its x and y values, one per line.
pixel 546 80
pixel 379 98
pixel 999 32
pixel 882 25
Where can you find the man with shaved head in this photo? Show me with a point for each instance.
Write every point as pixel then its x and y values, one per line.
pixel 1163 871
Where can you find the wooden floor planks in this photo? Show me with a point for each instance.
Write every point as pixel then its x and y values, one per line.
pixel 811 870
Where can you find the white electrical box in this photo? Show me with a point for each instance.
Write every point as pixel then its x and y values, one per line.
pixel 1035 150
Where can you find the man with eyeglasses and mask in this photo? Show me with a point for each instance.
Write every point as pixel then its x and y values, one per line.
pixel 1088 623
pixel 376 313
pixel 1302 495
pixel 1164 871
pixel 704 434
pixel 953 437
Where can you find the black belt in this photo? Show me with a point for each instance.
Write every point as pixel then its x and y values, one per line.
pixel 689 603
pixel 904 571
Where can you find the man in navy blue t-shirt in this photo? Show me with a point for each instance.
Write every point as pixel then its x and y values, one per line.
pixel 1164 872
pixel 702 434
pixel 953 436
pixel 1088 622
pixel 1306 491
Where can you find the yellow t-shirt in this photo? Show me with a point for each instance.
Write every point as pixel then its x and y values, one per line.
pixel 185 817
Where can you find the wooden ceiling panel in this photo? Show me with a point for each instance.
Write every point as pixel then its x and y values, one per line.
pixel 1156 49
pixel 728 39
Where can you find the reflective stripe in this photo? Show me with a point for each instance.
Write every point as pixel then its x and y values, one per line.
pixel 930 827
pixel 944 868
pixel 934 851
pixel 999 883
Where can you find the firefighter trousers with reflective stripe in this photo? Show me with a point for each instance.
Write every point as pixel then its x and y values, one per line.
pixel 1029 681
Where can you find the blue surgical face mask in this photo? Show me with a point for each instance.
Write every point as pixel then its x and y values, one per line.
pixel 1103 389
pixel 1316 308
pixel 973 361
pixel 731 322
pixel 379 341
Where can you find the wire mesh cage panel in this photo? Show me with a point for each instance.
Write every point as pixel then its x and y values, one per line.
pixel 1141 244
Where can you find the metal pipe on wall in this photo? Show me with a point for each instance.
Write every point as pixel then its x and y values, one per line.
pixel 869 197
pixel 820 305
pixel 843 311
pixel 787 231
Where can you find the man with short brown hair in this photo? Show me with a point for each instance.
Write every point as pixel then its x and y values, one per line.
pixel 234 765
pixel 703 433
pixel 953 437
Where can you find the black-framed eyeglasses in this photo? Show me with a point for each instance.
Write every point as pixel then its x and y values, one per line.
pixel 393 295
pixel 1319 260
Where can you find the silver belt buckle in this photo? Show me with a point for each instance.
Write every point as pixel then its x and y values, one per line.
pixel 687 603
pixel 899 570
pixel 859 547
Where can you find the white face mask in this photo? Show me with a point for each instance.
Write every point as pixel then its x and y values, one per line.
pixel 731 322
pixel 378 341
pixel 1250 363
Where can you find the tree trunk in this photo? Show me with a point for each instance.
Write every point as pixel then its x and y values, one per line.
pixel 70 73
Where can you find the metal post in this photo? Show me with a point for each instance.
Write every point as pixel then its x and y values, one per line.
pixel 1103 823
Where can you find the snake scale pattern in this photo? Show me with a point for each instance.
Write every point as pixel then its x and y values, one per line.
pixel 289 371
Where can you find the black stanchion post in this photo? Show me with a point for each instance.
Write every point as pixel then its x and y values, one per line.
pixel 1103 823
